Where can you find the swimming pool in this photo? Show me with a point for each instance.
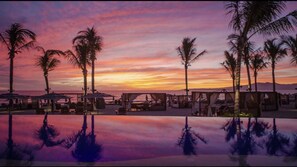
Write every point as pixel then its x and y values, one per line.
pixel 146 140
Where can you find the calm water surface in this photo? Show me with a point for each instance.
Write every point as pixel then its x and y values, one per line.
pixel 79 138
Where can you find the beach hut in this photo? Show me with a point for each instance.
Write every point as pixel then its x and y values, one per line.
pixel 54 98
pixel 269 101
pixel 152 102
pixel 212 103
pixel 180 101
pixel 18 101
pixel 98 98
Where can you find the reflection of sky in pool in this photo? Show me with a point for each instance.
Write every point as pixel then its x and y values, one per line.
pixel 66 138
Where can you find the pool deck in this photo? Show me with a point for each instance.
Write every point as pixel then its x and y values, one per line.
pixel 111 110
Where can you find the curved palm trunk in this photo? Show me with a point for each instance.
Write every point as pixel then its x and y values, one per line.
pixel 93 81
pixel 186 79
pixel 233 84
pixel 11 75
pixel 11 79
pixel 46 83
pixel 273 76
pixel 248 74
pixel 237 84
pixel 256 87
pixel 93 76
pixel 85 87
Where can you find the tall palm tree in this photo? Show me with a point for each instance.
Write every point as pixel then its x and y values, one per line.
pixel 81 60
pixel 16 39
pixel 188 54
pixel 257 64
pixel 47 62
pixel 246 56
pixel 291 44
pixel 230 64
pixel 94 42
pixel 255 17
pixel 275 53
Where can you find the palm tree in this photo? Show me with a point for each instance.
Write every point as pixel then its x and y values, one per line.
pixel 254 17
pixel 47 62
pixel 81 60
pixel 16 39
pixel 94 42
pixel 291 44
pixel 246 56
pixel 230 64
pixel 257 64
pixel 187 52
pixel 275 53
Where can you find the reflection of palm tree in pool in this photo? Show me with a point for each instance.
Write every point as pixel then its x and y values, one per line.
pixel 244 143
pixel 276 141
pixel 230 128
pixel 188 140
pixel 292 153
pixel 259 127
pixel 86 148
pixel 47 133
pixel 20 156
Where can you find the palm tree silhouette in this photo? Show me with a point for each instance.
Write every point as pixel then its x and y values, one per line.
pixel 188 140
pixel 230 64
pixel 86 148
pixel 94 42
pixel 259 127
pixel 291 154
pixel 16 39
pixel 231 128
pixel 257 64
pixel 276 141
pixel 81 59
pixel 244 143
pixel 291 44
pixel 187 52
pixel 250 18
pixel 246 59
pixel 14 153
pixel 47 133
pixel 47 62
pixel 275 53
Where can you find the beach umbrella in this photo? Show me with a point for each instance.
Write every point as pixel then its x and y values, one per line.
pixel 11 96
pixel 97 95
pixel 52 96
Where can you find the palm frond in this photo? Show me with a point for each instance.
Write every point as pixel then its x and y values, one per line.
pixel 26 46
pixel 199 55
pixel 284 24
pixel 53 63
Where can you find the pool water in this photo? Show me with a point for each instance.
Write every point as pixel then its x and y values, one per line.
pixel 39 139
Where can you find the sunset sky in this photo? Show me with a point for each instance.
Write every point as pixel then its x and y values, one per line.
pixel 139 44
